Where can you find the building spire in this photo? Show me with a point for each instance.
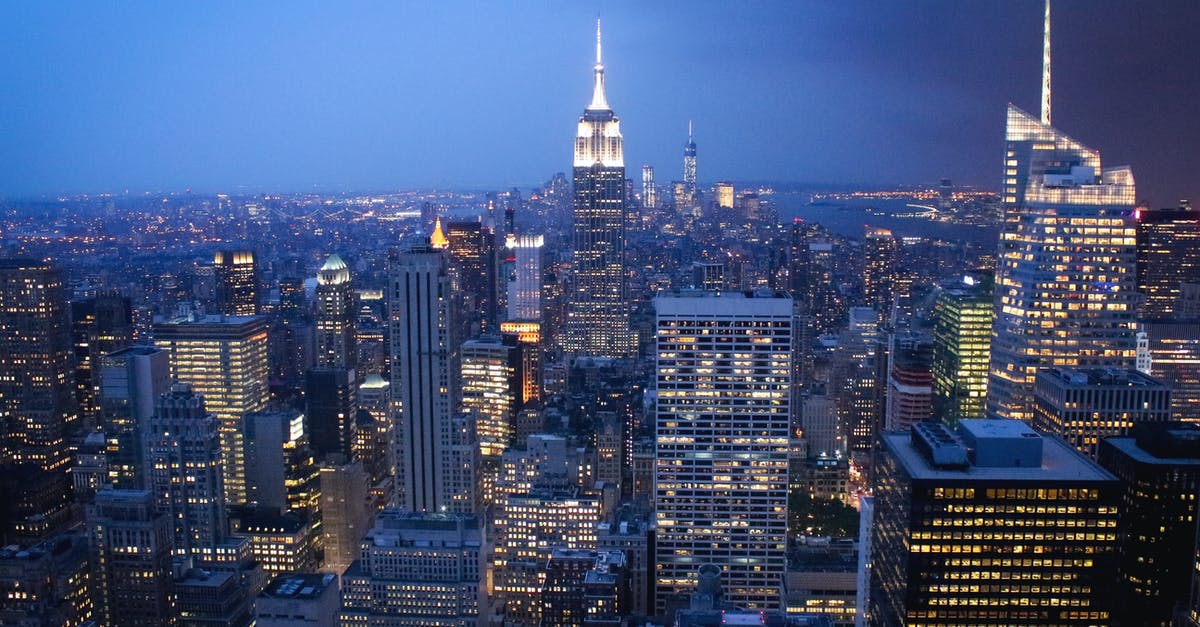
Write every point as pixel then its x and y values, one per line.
pixel 599 101
pixel 1046 67
pixel 689 131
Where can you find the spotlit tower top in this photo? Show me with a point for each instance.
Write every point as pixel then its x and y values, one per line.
pixel 598 140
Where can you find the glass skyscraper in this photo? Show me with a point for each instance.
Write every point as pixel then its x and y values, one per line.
pixel 1066 270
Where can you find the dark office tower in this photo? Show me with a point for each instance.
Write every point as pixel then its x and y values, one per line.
pixel 336 315
pixel 99 325
pixel 1159 469
pixel 131 382
pixel 331 410
pixel 585 587
pixel 527 337
pixel 36 403
pixel 224 358
pixel 472 247
pixel 183 451
pixel 1174 346
pixel 879 269
pixel 598 308
pixel 962 335
pixel 1168 255
pixel 236 274
pixel 689 168
pixel 995 526
pixel 434 459
pixel 131 543
pixel 1084 406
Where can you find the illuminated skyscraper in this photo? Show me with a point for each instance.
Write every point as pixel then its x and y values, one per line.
pixel 335 316
pixel 598 310
pixel 960 520
pixel 724 195
pixel 236 273
pixel 1066 288
pixel 909 397
pixel 880 269
pixel 525 287
pixel 435 446
pixel 721 478
pixel 491 380
pixel 183 452
pixel 224 358
pixel 649 189
pixel 962 333
pixel 37 407
pixel 689 167
pixel 1175 360
pixel 1168 255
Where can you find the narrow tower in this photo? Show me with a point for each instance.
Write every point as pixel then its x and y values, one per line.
pixel 598 313
pixel 1046 67
pixel 689 164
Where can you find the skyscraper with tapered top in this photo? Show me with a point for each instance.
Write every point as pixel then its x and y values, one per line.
pixel 1066 268
pixel 598 313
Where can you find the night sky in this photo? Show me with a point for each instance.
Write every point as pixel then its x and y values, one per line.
pixel 221 96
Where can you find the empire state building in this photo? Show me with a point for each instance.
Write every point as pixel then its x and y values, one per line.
pixel 598 312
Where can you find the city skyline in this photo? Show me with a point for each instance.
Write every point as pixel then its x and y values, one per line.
pixel 241 99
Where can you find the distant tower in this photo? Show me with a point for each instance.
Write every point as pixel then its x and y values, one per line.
pixel 689 164
pixel 236 274
pixel 525 288
pixel 183 450
pixel 598 312
pixel 335 315
pixel 880 269
pixel 649 190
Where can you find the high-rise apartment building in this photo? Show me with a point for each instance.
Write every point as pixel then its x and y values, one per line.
pixel 598 308
pixel 131 549
pixel 436 454
pixel 1168 255
pixel 37 406
pixel 996 525
pixel 224 359
pixel 721 471
pixel 909 396
pixel 962 337
pixel 131 382
pixel 1085 405
pixel 416 569
pixel 183 455
pixel 1159 469
pixel 525 286
pixel 336 314
pixel 236 274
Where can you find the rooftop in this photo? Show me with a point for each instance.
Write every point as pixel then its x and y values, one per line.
pixel 299 585
pixel 1099 377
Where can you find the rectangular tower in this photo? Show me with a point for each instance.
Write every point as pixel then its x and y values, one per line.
pixel 224 358
pixel 131 381
pixel 1168 255
pixel 721 470
pixel 962 335
pixel 236 273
